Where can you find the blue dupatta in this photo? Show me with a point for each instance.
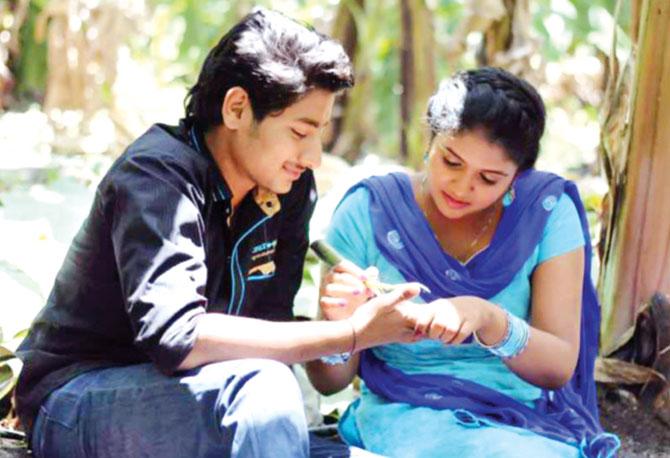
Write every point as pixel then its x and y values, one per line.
pixel 405 238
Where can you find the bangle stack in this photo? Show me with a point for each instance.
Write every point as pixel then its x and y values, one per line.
pixel 341 358
pixel 515 340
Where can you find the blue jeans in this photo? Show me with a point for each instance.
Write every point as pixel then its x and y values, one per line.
pixel 241 408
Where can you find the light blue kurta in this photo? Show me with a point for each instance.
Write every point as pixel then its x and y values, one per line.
pixel 402 430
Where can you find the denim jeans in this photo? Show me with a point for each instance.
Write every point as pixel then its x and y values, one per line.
pixel 241 408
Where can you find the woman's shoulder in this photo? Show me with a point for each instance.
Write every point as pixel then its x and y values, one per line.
pixel 565 211
pixel 563 231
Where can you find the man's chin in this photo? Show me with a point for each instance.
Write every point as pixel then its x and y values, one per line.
pixel 281 188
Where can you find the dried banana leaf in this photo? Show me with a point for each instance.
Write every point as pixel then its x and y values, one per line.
pixel 615 371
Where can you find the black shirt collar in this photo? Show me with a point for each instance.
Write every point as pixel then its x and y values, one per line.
pixel 220 191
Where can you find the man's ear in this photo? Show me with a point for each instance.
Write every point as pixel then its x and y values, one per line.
pixel 235 108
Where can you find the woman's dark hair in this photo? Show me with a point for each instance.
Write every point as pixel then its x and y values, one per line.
pixel 506 108
pixel 275 59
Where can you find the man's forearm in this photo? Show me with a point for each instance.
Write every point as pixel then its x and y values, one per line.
pixel 223 337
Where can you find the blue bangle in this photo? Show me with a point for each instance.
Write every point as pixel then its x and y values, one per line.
pixel 337 358
pixel 515 340
pixel 341 358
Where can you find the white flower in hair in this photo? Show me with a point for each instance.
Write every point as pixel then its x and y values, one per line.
pixel 445 108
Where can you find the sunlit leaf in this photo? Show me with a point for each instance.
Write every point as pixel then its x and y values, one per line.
pixel 5 353
pixel 7 380
pixel 21 334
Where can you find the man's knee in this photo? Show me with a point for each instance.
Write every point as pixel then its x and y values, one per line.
pixel 261 385
pixel 261 399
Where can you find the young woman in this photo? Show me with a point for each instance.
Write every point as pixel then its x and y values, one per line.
pixel 506 339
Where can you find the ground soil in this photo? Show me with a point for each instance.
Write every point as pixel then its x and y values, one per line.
pixel 642 434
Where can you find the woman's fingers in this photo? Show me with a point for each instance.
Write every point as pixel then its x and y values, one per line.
pixel 451 335
pixel 343 278
pixel 446 325
pixel 423 320
pixel 341 290
pixel 349 267
pixel 439 320
pixel 327 302
pixel 436 330
pixel 465 332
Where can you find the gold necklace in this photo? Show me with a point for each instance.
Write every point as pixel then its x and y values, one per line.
pixel 470 252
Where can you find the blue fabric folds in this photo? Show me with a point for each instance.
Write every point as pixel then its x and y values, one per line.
pixel 404 237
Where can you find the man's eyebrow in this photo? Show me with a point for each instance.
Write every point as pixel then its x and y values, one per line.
pixel 497 172
pixel 313 122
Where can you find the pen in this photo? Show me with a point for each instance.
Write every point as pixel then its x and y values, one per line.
pixel 331 257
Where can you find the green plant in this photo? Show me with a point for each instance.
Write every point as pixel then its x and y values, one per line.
pixel 10 365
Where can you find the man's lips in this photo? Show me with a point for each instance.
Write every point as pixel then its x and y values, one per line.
pixel 293 171
pixel 453 202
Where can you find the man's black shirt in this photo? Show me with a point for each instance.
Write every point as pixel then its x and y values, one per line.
pixel 160 247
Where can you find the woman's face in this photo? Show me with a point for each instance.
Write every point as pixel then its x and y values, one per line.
pixel 466 173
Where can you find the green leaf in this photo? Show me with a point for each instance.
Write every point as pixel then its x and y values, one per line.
pixel 5 353
pixel 21 334
pixel 7 380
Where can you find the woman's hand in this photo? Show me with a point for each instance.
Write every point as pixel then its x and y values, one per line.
pixel 343 290
pixel 454 320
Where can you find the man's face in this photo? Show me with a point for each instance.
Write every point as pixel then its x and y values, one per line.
pixel 275 152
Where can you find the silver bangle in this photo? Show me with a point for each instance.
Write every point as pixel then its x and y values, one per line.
pixel 515 340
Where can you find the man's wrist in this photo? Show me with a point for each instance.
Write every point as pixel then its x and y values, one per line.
pixel 343 357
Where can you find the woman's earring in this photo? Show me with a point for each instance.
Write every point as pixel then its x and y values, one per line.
pixel 425 157
pixel 508 198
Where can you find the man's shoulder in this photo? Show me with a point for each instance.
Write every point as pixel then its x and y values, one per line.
pixel 162 152
pixel 166 144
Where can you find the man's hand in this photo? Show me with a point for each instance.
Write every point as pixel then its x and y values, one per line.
pixel 383 320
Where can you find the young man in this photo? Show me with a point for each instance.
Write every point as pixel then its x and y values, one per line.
pixel 169 321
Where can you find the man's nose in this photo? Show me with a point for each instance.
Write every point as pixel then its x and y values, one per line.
pixel 310 156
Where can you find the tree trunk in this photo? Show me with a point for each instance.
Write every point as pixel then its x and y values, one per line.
pixel 507 42
pixel 351 114
pixel 636 156
pixel 417 78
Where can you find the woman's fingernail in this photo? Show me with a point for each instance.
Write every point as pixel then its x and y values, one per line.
pixel 357 292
